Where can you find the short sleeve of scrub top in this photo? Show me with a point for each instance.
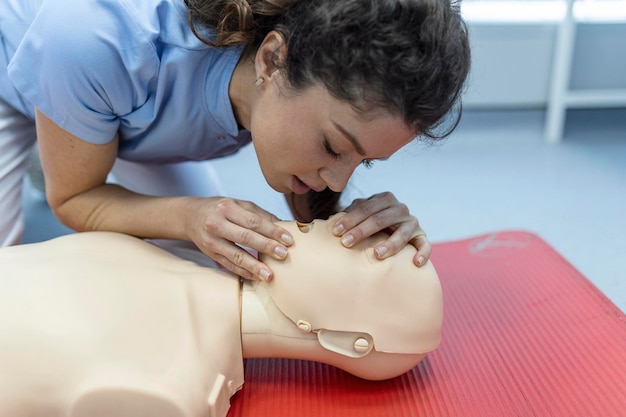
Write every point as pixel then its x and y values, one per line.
pixel 98 68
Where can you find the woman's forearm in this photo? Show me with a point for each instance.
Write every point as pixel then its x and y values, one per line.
pixel 113 208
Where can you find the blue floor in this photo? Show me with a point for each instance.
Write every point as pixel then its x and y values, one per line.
pixel 495 173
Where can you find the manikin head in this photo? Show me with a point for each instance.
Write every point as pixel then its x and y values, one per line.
pixel 356 305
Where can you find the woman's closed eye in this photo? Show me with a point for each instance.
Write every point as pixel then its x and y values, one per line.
pixel 367 163
pixel 330 151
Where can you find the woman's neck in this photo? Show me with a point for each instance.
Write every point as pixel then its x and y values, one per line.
pixel 241 90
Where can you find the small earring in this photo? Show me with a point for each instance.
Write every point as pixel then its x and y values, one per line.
pixel 259 81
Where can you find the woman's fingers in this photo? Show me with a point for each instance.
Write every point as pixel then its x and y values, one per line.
pixel 228 227
pixel 383 211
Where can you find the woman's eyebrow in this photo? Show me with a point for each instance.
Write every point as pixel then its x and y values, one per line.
pixel 353 140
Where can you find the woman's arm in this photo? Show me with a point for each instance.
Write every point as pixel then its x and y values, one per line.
pixel 76 189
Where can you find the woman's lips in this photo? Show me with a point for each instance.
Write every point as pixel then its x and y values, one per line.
pixel 299 187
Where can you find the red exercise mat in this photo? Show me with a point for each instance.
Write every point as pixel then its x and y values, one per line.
pixel 525 334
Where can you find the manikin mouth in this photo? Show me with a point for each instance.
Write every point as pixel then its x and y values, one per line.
pixel 305 227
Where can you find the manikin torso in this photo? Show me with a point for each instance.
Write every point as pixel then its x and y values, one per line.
pixel 94 321
pixel 103 324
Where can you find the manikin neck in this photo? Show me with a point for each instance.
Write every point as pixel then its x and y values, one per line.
pixel 266 332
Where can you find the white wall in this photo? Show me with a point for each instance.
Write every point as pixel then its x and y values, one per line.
pixel 511 65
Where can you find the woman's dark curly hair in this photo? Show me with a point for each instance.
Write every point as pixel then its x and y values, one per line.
pixel 408 57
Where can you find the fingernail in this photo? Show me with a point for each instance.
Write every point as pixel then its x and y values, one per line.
pixel 264 274
pixel 347 240
pixel 286 238
pixel 381 251
pixel 338 229
pixel 280 251
pixel 420 260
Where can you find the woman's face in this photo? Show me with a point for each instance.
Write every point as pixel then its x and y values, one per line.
pixel 310 140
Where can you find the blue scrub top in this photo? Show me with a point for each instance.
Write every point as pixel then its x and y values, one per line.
pixel 133 67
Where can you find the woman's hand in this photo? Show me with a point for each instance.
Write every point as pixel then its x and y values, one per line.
pixel 220 225
pixel 379 212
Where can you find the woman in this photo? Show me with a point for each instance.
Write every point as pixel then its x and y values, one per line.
pixel 318 86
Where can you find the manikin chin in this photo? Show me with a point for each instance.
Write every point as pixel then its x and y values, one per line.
pixel 104 324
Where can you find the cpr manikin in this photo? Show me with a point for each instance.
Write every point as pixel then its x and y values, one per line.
pixel 104 324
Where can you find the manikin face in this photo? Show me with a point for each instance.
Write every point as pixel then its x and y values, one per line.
pixel 330 289
pixel 310 140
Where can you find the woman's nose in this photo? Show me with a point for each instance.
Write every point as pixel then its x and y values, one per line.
pixel 336 178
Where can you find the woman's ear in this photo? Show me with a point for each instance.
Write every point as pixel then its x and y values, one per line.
pixel 271 56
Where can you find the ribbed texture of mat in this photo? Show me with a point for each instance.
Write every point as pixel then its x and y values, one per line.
pixel 525 334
